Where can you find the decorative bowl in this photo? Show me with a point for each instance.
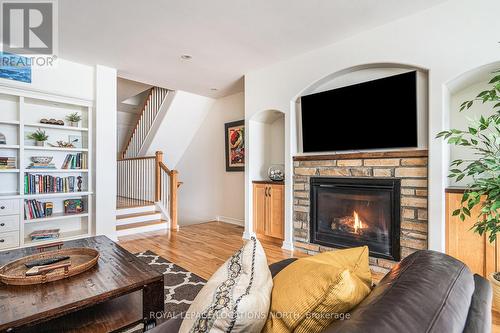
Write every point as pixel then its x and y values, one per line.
pixel 42 159
pixel 276 172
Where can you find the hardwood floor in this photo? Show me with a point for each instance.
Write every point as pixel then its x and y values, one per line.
pixel 200 248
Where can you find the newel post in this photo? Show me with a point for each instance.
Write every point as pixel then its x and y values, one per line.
pixel 174 184
pixel 158 159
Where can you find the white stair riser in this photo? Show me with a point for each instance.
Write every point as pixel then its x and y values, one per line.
pixel 139 230
pixel 137 219
pixel 135 210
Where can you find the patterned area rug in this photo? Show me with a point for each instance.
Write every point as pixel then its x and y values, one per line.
pixel 181 286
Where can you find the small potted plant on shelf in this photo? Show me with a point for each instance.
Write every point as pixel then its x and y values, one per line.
pixel 39 136
pixel 482 137
pixel 73 119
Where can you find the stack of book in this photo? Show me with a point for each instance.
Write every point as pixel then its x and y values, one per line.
pixel 7 163
pixel 34 209
pixel 34 165
pixel 44 234
pixel 75 161
pixel 35 184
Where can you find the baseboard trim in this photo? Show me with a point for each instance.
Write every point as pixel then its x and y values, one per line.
pixel 230 220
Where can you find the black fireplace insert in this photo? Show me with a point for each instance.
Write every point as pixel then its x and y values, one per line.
pixel 347 212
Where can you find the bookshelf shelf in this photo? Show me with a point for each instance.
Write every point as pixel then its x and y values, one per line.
pixel 57 127
pixel 55 217
pixel 9 195
pixel 57 195
pixel 63 236
pixel 9 170
pixel 21 111
pixel 39 170
pixel 9 122
pixel 77 150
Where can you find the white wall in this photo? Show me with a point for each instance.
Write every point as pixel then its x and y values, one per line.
pixel 268 138
pixel 66 78
pixel 209 192
pixel 447 40
pixel 459 120
pixel 105 151
pixel 182 120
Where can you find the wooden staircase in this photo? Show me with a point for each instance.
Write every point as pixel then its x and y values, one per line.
pixel 147 188
pixel 139 219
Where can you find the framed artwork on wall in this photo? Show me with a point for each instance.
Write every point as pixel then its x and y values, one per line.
pixel 15 67
pixel 235 145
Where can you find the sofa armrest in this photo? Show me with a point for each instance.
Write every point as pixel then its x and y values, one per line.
pixel 479 317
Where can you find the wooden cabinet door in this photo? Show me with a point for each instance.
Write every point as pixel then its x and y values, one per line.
pixel 259 208
pixel 464 244
pixel 276 211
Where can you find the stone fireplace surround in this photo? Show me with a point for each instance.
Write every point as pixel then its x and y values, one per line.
pixel 408 165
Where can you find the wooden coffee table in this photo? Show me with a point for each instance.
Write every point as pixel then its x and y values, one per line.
pixel 120 291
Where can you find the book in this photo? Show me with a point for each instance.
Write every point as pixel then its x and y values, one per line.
pixel 44 234
pixel 75 161
pixel 39 184
pixel 34 209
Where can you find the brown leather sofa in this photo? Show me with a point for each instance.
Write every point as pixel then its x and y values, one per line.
pixel 428 292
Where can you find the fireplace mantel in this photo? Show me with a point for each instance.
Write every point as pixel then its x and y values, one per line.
pixel 365 155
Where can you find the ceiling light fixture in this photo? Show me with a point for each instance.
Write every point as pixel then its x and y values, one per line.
pixel 186 57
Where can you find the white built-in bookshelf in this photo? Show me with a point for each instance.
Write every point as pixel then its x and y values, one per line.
pixel 20 114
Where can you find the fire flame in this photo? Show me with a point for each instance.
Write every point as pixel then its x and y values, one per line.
pixel 358 224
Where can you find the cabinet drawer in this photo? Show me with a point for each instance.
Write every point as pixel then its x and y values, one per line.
pixel 9 223
pixel 9 239
pixel 9 207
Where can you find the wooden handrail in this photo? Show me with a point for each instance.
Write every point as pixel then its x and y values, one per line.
pixel 165 168
pixel 136 123
pixel 136 158
pixel 136 171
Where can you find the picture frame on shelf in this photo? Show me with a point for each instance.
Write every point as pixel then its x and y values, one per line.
pixel 73 206
pixel 234 133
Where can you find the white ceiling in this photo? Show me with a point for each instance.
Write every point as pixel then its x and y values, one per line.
pixel 227 38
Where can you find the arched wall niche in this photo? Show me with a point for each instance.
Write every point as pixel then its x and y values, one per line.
pixel 466 87
pixel 267 130
pixel 364 73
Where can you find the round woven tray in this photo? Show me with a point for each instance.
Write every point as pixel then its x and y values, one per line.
pixel 81 259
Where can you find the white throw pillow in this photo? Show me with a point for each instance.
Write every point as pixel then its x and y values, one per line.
pixel 236 298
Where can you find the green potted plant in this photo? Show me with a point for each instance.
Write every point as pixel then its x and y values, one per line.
pixel 482 137
pixel 39 136
pixel 73 119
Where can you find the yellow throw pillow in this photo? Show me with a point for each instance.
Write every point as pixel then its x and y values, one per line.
pixel 309 294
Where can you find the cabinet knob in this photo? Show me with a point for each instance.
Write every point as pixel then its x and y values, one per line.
pixel 3 207
pixel 2 224
pixel 2 240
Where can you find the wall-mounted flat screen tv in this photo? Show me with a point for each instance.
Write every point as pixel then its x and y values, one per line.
pixel 377 114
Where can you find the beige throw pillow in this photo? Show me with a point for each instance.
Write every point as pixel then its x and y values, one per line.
pixel 237 296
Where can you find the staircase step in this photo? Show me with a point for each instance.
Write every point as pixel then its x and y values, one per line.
pixel 139 225
pixel 135 210
pixel 137 217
